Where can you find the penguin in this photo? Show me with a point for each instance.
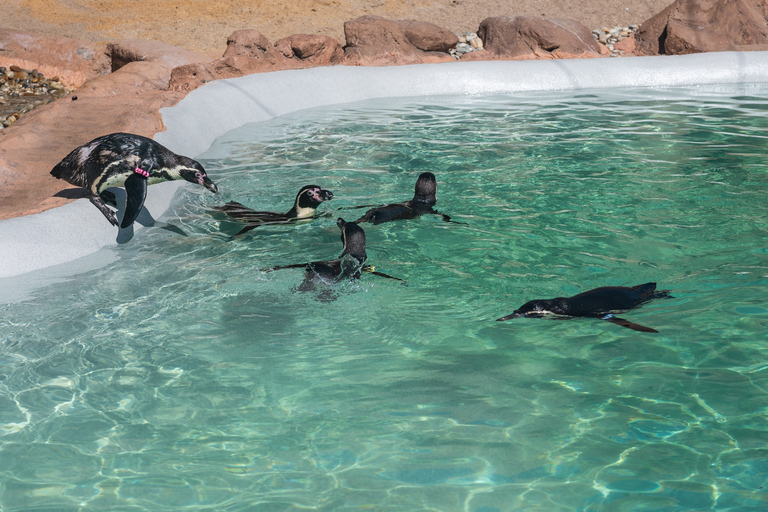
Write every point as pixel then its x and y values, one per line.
pixel 130 161
pixel 349 265
pixel 424 198
pixel 599 303
pixel 304 207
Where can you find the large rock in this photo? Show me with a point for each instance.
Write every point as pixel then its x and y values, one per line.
pixel 311 50
pixel 249 51
pixel 526 37
pixel 248 43
pixel 373 40
pixel 72 60
pixel 693 26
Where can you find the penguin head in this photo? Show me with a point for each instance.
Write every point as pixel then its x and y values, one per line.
pixel 310 196
pixel 191 171
pixel 426 189
pixel 353 238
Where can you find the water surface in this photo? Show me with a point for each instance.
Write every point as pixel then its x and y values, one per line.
pixel 183 377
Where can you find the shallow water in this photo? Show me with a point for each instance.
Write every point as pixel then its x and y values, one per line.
pixel 182 377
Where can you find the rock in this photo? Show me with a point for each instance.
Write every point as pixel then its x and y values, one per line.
pixel 249 51
pixel 311 50
pixel 248 43
pixel 525 37
pixel 627 45
pixel 74 61
pixel 693 26
pixel 373 40
pixel 428 37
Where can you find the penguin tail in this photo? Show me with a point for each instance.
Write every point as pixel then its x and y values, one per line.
pixel 57 171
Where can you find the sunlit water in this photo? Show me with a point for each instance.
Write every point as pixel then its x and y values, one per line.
pixel 181 377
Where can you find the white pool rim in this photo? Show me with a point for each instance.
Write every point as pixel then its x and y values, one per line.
pixel 64 235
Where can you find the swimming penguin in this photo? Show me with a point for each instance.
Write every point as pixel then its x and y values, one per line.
pixel 304 207
pixel 599 303
pixel 423 201
pixel 349 265
pixel 130 161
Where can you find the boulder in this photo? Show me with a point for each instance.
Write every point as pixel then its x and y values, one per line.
pixel 373 41
pixel 72 60
pixel 526 37
pixel 694 26
pixel 311 50
pixel 249 51
pixel 248 43
pixel 628 45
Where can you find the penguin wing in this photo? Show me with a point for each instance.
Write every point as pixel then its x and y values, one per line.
pixel 627 324
pixel 372 270
pixel 136 193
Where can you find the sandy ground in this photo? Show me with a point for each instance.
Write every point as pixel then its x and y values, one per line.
pixel 203 25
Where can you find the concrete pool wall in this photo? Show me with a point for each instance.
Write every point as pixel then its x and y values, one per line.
pixel 65 235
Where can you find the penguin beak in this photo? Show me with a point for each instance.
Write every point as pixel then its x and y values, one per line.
pixel 326 195
pixel 210 185
pixel 198 177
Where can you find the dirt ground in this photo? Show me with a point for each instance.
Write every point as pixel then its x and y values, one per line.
pixel 203 25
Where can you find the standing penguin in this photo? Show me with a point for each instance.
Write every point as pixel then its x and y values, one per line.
pixel 424 198
pixel 130 161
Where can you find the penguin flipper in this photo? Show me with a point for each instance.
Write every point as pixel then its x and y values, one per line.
pixel 370 270
pixel 98 202
pixel 628 324
pixel 447 218
pixel 136 193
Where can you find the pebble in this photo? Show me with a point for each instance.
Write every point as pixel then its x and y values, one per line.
pixel 468 42
pixel 611 36
pixel 22 90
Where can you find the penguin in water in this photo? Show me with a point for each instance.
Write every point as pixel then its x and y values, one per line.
pixel 304 207
pixel 130 161
pixel 349 265
pixel 424 198
pixel 599 303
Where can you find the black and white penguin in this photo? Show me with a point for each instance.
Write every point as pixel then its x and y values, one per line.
pixel 349 265
pixel 130 161
pixel 304 207
pixel 599 303
pixel 424 198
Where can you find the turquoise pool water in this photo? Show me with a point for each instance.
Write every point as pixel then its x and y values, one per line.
pixel 181 377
